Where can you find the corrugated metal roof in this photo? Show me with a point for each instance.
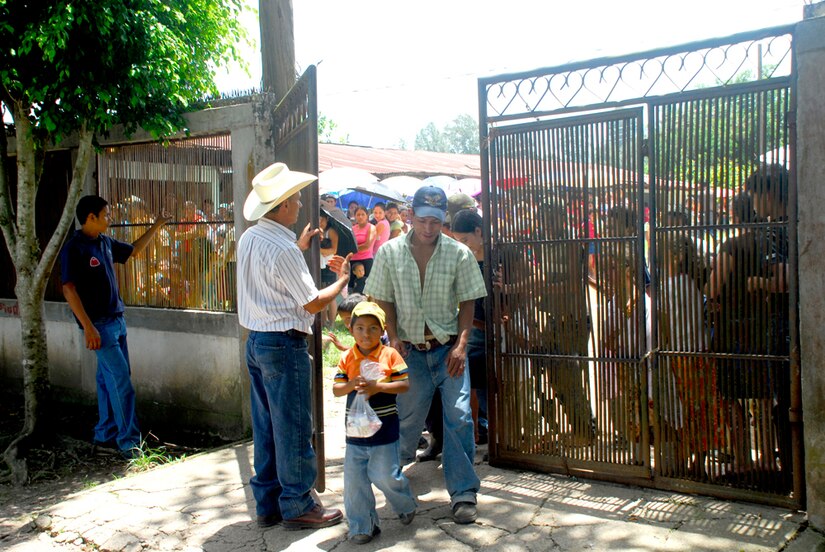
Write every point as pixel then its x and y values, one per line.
pixel 384 163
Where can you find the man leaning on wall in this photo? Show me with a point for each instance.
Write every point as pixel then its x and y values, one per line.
pixel 90 287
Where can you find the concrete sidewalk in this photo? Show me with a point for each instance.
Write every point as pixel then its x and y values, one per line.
pixel 204 503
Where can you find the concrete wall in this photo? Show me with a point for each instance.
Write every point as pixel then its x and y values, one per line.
pixel 810 48
pixel 188 367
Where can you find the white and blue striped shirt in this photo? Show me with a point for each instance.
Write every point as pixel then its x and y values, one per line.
pixel 274 282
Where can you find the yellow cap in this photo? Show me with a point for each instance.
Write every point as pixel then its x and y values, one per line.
pixel 369 308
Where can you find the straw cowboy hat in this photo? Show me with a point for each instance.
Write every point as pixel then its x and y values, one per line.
pixel 271 187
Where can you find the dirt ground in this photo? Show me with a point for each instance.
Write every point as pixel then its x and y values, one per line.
pixel 66 462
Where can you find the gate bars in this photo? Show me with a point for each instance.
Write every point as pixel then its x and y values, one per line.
pixel 191 265
pixel 638 210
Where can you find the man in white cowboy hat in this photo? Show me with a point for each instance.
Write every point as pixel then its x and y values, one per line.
pixel 277 301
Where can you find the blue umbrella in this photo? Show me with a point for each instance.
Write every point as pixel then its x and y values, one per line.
pixel 368 195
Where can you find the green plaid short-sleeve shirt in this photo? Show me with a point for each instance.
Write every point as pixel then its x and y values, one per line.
pixel 452 277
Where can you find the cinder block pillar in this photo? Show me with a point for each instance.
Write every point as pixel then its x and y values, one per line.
pixel 243 168
pixel 810 158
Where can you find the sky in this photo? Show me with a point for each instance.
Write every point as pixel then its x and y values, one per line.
pixel 386 69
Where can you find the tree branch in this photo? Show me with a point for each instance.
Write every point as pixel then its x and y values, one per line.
pixel 81 165
pixel 7 224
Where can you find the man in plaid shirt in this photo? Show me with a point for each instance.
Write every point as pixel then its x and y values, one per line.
pixel 427 283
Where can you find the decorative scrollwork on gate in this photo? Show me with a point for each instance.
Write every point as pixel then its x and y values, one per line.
pixel 616 81
pixel 292 114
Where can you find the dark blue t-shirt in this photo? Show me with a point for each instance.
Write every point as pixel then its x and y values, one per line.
pixel 88 263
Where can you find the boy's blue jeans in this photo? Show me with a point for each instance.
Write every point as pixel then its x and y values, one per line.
pixel 285 469
pixel 117 418
pixel 374 465
pixel 427 371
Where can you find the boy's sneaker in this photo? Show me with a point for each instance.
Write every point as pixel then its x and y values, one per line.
pixel 364 538
pixel 406 519
pixel 464 513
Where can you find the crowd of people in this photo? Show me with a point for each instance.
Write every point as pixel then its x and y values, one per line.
pixel 574 294
pixel 578 283
pixel 190 265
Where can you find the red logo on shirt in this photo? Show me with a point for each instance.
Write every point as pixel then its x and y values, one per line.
pixel 93 262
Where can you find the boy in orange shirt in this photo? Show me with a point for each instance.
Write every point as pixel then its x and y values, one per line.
pixel 375 459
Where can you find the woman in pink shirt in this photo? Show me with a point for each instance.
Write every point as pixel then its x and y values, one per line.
pixel 365 238
pixel 382 227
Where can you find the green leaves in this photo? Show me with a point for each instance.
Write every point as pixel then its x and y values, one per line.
pixel 139 63
pixel 458 136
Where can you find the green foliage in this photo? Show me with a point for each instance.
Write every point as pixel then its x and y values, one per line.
pixel 430 138
pixel 145 457
pixel 462 135
pixel 331 353
pixel 327 131
pixel 139 63
pixel 458 136
pixel 718 142
pixel 89 484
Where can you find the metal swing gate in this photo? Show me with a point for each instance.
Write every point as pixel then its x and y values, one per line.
pixel 295 142
pixel 646 316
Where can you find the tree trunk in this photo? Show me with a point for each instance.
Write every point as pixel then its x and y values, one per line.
pixel 277 46
pixel 33 270
pixel 35 374
pixel 25 257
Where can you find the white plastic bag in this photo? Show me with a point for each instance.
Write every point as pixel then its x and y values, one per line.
pixel 362 420
pixel 371 370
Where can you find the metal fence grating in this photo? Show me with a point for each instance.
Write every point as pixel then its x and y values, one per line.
pixel 191 262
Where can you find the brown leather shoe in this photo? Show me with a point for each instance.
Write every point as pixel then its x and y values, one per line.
pixel 315 519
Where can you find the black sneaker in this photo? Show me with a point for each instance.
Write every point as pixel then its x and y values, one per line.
pixel 464 513
pixel 269 520
pixel 364 538
pixel 406 519
pixel 430 453
pixel 105 447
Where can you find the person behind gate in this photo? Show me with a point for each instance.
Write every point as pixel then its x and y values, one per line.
pixel 90 286
pixel 277 301
pixel 427 284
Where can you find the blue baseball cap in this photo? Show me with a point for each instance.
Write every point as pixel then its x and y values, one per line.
pixel 430 201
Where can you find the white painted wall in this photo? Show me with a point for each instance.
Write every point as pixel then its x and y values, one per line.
pixel 186 366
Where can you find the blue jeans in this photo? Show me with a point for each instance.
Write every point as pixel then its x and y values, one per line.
pixel 379 466
pixel 428 371
pixel 115 395
pixel 280 384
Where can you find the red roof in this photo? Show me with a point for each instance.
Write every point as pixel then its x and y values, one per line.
pixel 384 163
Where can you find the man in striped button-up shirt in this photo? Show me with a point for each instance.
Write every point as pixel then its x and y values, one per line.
pixel 277 300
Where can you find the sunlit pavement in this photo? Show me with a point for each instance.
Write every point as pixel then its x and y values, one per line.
pixel 204 503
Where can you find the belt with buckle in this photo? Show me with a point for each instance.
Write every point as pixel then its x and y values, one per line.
pixel 431 344
pixel 296 334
